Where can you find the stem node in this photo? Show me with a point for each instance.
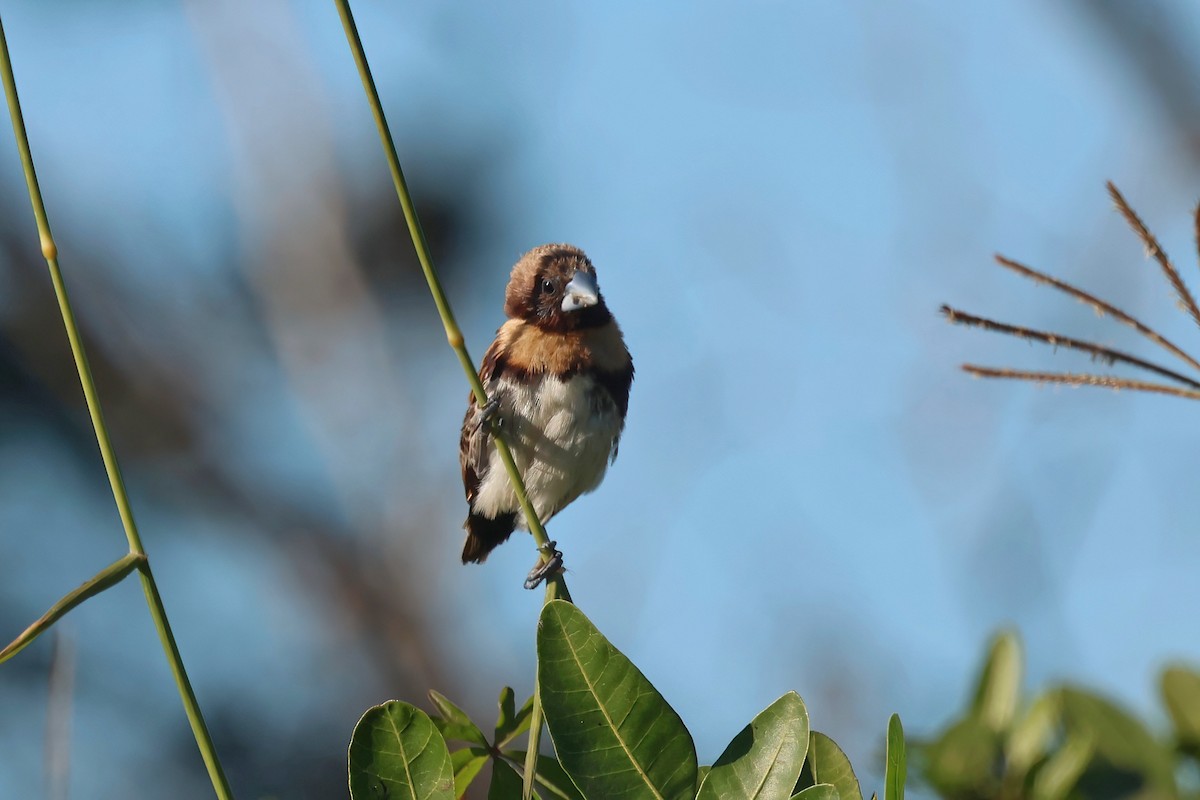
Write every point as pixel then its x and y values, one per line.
pixel 136 558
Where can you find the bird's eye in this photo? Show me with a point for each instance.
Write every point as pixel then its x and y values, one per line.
pixel 547 286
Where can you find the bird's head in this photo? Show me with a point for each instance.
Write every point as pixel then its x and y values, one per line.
pixel 554 287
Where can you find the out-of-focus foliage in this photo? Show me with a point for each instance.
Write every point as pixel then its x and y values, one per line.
pixel 1066 742
pixel 896 770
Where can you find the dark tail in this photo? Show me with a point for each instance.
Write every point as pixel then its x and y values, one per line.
pixel 484 534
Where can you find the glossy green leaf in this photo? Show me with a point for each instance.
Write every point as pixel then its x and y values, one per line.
pixel 506 783
pixel 467 763
pixel 764 759
pixel 551 780
pixel 454 723
pixel 1118 737
pixel 1181 694
pixel 614 733
pixel 1055 779
pixel 897 761
pixel 826 763
pixel 507 704
pixel 818 791
pixel 511 723
pixel 962 761
pixel 1032 734
pixel 998 688
pixel 397 753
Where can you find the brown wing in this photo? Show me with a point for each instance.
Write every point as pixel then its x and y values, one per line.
pixel 474 441
pixel 617 384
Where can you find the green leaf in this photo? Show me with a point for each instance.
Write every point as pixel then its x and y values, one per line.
pixel 614 733
pixel 826 763
pixel 467 764
pixel 963 760
pixel 764 759
pixel 1055 778
pixel 1032 734
pixel 1118 737
pixel 999 685
pixel 508 708
pixel 550 776
pixel 511 723
pixel 454 723
pixel 396 752
pixel 897 761
pixel 506 783
pixel 818 791
pixel 1181 693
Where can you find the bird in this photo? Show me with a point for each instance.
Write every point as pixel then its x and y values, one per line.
pixel 557 378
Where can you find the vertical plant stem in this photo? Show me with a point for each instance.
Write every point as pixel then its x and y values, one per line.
pixel 153 599
pixel 556 589
pixel 556 586
pixel 529 776
pixel 453 334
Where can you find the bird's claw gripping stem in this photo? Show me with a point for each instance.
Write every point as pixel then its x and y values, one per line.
pixel 489 412
pixel 543 570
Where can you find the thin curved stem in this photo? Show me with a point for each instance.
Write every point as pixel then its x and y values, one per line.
pixel 556 586
pixel 1099 352
pixel 106 578
pixel 453 333
pixel 1099 306
pixel 1153 248
pixel 111 467
pixel 1079 379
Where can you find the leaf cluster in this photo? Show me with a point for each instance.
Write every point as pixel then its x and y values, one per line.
pixel 1067 742
pixel 614 736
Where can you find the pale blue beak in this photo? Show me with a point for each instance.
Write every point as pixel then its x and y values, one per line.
pixel 580 292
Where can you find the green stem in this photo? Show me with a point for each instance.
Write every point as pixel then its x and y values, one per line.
pixel 106 578
pixel 529 776
pixel 556 589
pixel 556 586
pixel 136 550
pixel 453 334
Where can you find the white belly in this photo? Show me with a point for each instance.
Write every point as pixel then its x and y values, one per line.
pixel 562 435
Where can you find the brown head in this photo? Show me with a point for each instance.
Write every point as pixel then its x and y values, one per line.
pixel 554 287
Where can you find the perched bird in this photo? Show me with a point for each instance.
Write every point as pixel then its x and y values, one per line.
pixel 557 378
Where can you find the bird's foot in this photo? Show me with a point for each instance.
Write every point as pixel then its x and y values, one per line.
pixel 544 569
pixel 489 412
